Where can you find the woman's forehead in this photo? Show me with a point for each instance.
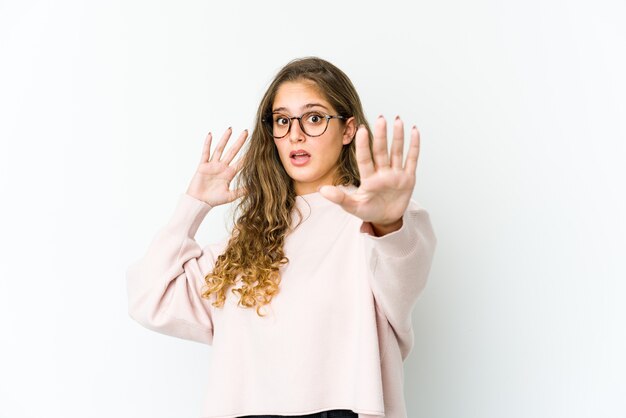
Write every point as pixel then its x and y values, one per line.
pixel 299 96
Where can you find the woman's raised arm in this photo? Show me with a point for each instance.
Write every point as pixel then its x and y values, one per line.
pixel 164 286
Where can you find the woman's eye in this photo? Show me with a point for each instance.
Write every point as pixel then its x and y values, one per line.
pixel 281 120
pixel 315 118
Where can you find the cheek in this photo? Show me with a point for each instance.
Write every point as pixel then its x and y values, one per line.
pixel 333 149
pixel 279 148
pixel 283 152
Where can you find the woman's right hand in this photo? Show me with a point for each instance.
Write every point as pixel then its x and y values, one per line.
pixel 212 179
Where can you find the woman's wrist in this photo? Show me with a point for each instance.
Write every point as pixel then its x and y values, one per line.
pixel 384 229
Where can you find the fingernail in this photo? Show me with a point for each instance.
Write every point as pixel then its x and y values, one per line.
pixel 414 127
pixel 380 116
pixel 230 127
pixel 397 117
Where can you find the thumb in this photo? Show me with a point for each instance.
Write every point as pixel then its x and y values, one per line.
pixel 237 193
pixel 338 196
pixel 332 193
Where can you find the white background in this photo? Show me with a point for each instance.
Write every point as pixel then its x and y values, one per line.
pixel 103 110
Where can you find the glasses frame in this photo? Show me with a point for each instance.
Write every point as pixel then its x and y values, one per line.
pixel 270 120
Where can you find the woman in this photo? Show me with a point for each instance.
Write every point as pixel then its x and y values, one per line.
pixel 327 242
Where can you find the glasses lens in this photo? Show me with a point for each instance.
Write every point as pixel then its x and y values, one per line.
pixel 280 125
pixel 314 123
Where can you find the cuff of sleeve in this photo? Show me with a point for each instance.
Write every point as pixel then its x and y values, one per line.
pixel 397 243
pixel 189 213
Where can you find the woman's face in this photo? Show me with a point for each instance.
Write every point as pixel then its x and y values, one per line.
pixel 311 161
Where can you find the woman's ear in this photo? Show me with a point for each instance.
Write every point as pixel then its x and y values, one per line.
pixel 349 131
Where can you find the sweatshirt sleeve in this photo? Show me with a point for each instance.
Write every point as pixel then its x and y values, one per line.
pixel 164 286
pixel 400 263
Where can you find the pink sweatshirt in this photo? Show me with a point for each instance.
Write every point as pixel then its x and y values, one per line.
pixel 335 336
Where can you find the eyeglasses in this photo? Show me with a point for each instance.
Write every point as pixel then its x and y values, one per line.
pixel 311 123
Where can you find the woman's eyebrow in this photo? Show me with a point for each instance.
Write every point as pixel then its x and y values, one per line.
pixel 306 106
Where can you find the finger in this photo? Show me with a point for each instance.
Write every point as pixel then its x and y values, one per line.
pixel 206 149
pixel 397 146
pixel 381 158
pixel 363 154
pixel 414 152
pixel 338 196
pixel 234 149
pixel 217 152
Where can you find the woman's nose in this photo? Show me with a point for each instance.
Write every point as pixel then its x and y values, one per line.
pixel 295 133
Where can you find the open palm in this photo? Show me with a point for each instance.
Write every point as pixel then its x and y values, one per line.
pixel 386 184
pixel 211 181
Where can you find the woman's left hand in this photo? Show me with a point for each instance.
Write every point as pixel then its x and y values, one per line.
pixel 386 185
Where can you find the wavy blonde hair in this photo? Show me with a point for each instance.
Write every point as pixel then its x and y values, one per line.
pixel 254 253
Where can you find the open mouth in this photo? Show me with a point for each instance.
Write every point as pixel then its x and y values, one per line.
pixel 299 155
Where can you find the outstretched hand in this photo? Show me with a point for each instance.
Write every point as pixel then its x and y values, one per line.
pixel 211 181
pixel 386 185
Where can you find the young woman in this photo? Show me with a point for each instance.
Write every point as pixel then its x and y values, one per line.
pixel 307 305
